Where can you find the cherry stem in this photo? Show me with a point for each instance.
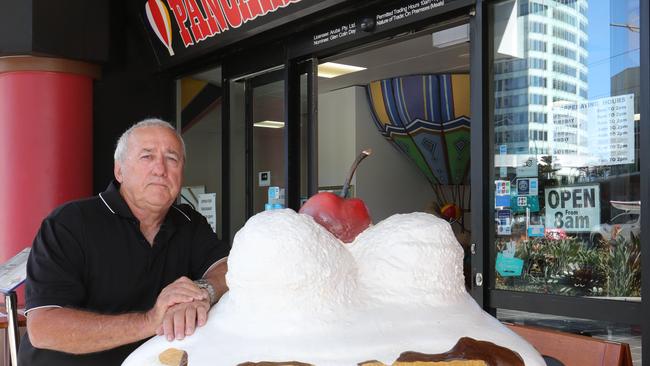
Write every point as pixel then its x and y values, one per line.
pixel 353 168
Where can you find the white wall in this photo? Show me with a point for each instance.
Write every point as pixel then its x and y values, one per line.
pixel 387 180
pixel 336 136
pixel 203 146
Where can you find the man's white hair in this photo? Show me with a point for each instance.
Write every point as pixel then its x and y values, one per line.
pixel 122 146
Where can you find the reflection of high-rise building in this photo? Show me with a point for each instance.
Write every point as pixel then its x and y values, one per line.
pixel 538 94
pixel 624 64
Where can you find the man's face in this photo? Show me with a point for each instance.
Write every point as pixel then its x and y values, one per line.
pixel 152 170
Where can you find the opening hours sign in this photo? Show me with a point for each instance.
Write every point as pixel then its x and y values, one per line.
pixel 575 209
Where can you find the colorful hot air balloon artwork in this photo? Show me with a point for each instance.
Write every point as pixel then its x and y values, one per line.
pixel 158 17
pixel 427 117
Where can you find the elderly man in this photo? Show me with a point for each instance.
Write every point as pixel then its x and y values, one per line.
pixel 108 272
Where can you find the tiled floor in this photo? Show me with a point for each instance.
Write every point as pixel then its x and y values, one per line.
pixel 605 330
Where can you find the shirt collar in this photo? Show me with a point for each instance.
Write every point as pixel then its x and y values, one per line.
pixel 115 203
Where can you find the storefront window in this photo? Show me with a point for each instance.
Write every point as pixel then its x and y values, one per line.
pixel 565 117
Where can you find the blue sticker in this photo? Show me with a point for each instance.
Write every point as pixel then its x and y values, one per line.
pixel 527 187
pixel 509 267
pixel 535 231
pixel 503 216
pixel 502 201
pixel 523 188
pixel 520 203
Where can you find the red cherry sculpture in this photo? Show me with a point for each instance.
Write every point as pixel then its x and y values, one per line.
pixel 345 218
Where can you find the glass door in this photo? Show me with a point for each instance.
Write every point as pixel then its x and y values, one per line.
pixel 270 143
pixel 302 106
pixel 257 131
pixel 266 126
pixel 566 191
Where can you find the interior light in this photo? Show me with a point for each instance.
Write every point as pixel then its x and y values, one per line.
pixel 269 124
pixel 331 70
pixel 637 116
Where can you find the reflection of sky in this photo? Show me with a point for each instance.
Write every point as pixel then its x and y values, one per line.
pixel 598 48
pixel 611 49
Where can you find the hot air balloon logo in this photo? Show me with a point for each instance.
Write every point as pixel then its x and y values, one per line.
pixel 427 118
pixel 158 17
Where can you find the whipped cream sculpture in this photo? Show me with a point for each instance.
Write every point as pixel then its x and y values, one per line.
pixel 298 293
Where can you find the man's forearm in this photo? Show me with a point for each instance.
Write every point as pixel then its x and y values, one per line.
pixel 217 277
pixel 79 331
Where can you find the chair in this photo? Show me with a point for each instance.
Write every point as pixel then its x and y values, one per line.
pixel 573 349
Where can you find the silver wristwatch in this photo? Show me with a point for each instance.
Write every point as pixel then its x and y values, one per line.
pixel 205 284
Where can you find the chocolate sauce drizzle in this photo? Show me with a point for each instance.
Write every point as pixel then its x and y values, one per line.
pixel 266 363
pixel 469 349
pixel 466 349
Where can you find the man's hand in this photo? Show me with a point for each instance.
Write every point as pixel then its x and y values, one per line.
pixel 181 291
pixel 182 319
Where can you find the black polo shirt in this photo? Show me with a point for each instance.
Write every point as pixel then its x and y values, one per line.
pixel 91 255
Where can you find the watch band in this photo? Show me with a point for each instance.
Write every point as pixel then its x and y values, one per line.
pixel 205 284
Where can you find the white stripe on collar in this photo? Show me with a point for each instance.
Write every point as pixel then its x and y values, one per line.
pixel 109 207
pixel 183 213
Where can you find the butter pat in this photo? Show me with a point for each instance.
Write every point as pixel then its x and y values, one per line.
pixel 173 357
